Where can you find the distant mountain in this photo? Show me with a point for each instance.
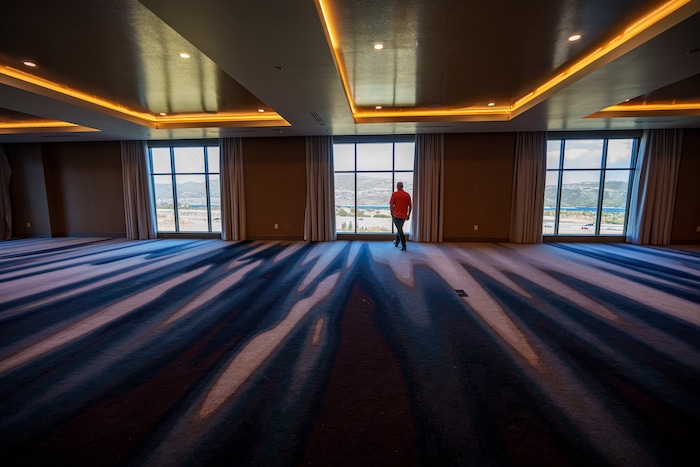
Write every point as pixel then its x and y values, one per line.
pixel 189 190
pixel 586 194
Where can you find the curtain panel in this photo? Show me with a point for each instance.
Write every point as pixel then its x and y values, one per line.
pixel 233 214
pixel 654 188
pixel 5 202
pixel 319 221
pixel 529 173
pixel 138 207
pixel 428 188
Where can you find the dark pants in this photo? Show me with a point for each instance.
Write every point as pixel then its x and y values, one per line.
pixel 400 237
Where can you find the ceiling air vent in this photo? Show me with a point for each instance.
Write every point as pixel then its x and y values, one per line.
pixel 318 118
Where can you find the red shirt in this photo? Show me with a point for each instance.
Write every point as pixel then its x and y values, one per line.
pixel 400 203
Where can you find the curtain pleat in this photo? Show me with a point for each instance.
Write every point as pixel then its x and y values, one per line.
pixel 319 222
pixel 428 188
pixel 654 188
pixel 529 172
pixel 138 207
pixel 5 202
pixel 233 215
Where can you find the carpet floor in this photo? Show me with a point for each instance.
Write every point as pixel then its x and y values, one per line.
pixel 204 352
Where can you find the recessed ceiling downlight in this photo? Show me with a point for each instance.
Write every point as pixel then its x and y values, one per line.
pixel 184 55
pixel 29 63
pixel 574 37
pixel 378 46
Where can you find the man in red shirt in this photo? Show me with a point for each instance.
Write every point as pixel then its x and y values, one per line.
pixel 400 206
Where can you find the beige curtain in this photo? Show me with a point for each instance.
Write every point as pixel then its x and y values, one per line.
pixel 654 188
pixel 233 215
pixel 138 207
pixel 428 188
pixel 319 222
pixel 528 187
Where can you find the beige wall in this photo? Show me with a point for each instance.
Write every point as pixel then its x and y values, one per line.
pixel 30 206
pixel 686 213
pixel 80 193
pixel 76 188
pixel 478 186
pixel 275 187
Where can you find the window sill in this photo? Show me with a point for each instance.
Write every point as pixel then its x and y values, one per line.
pixel 584 239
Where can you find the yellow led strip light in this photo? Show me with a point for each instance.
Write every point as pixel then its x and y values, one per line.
pixel 147 119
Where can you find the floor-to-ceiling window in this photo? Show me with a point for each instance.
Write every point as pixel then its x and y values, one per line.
pixel 186 188
pixel 365 176
pixel 588 185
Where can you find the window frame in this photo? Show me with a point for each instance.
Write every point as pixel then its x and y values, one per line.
pixel 355 141
pixel 635 137
pixel 205 145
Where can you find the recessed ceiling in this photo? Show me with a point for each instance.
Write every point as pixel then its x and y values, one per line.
pixel 113 70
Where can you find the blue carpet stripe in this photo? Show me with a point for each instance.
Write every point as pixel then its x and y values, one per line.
pixel 199 352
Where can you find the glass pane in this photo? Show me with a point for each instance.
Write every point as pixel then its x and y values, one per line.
pixel 192 203
pixel 404 156
pixel 343 157
pixel 213 159
pixel 373 193
pixel 612 220
pixel 374 156
pixel 165 212
pixel 189 160
pixel 345 202
pixel 579 202
pixel 553 153
pixel 215 197
pixel 161 160
pixel 583 154
pixel 550 202
pixel 620 153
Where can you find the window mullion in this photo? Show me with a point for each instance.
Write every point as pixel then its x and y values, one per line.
pixel 560 179
pixel 601 189
pixel 355 213
pixel 630 181
pixel 206 187
pixel 173 171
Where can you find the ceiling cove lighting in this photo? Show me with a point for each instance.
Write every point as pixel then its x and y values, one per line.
pixel 647 110
pixel 674 9
pixel 37 124
pixel 222 119
pixel 623 37
pixel 189 120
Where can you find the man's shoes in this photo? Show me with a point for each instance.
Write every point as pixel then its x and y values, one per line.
pixel 403 248
pixel 396 243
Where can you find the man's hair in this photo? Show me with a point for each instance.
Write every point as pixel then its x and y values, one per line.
pixel 399 185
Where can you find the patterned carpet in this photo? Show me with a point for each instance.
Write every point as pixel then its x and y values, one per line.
pixel 205 352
